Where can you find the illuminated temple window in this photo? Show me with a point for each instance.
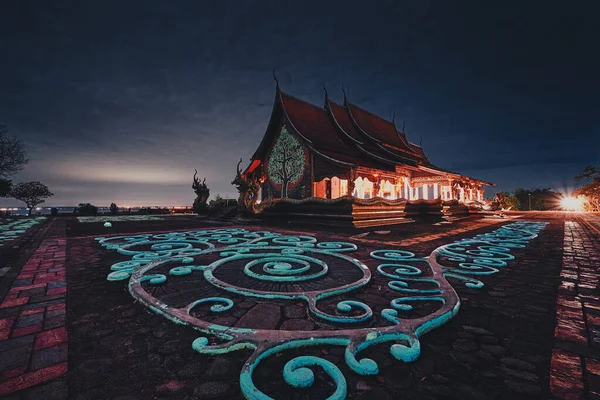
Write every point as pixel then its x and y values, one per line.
pixel 330 188
pixel 363 188
pixel 343 187
pixel 390 190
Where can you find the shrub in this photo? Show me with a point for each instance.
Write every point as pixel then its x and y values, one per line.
pixel 200 208
pixel 54 211
pixel 154 210
pixel 86 209
pixel 114 210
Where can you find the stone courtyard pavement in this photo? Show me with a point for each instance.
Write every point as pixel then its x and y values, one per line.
pixel 532 330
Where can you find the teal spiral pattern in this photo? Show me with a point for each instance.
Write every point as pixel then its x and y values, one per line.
pixel 272 258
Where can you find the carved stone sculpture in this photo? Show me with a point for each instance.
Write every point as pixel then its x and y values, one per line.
pixel 248 188
pixel 202 194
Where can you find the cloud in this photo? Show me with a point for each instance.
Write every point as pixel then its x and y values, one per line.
pixel 114 96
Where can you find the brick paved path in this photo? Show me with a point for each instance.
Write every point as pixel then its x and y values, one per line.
pixel 144 356
pixel 14 255
pixel 33 335
pixel 434 236
pixel 575 369
pixel 499 346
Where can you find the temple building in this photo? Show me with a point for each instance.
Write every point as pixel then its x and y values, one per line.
pixel 343 150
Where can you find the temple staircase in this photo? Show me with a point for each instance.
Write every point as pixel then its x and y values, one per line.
pixel 453 209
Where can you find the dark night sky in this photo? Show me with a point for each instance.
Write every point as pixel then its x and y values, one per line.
pixel 120 101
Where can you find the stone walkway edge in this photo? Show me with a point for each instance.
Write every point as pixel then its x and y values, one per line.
pixel 33 334
pixel 575 365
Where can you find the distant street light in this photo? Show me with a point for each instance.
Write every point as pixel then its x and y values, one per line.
pixel 572 203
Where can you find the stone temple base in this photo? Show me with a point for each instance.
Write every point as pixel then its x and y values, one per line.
pixel 351 212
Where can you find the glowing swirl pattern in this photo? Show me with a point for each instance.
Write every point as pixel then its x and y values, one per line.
pixel 12 230
pixel 271 266
pixel 117 218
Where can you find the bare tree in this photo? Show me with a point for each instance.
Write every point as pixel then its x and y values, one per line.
pixel 31 193
pixel 13 155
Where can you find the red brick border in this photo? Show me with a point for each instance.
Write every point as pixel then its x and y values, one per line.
pixel 33 334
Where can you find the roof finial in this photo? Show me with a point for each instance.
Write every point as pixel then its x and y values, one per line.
pixel 403 126
pixel 275 77
pixel 345 95
pixel 325 89
pixel 421 141
pixel 394 118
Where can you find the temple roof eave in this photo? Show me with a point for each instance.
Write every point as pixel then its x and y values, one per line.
pixel 454 175
pixel 326 136
pixel 386 126
pixel 333 159
pixel 337 124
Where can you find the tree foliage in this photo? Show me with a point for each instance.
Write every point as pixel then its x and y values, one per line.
pixel 511 203
pixel 590 172
pixel 286 162
pixel 540 199
pixel 5 186
pixel 506 201
pixel 13 155
pixel 31 193
pixel 87 209
pixel 590 190
pixel 114 209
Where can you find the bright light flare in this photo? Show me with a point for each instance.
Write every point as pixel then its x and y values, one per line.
pixel 572 203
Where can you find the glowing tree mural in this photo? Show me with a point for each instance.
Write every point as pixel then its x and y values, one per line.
pixel 286 162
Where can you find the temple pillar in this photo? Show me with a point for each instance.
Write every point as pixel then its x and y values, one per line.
pixel 351 183
pixel 335 187
pixel 435 191
pixel 343 187
pixel 426 191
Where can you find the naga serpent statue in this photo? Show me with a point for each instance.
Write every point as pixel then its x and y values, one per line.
pixel 248 188
pixel 202 192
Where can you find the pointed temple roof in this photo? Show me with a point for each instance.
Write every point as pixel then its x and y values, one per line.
pixel 349 136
